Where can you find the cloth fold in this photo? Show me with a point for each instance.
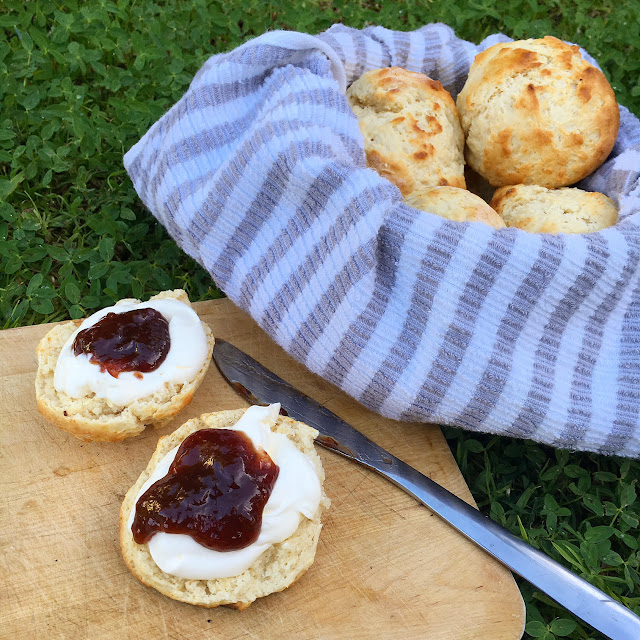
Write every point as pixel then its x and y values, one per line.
pixel 259 173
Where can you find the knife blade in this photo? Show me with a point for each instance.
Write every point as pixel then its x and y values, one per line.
pixel 260 386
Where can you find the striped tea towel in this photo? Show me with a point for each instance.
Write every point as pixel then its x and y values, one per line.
pixel 259 173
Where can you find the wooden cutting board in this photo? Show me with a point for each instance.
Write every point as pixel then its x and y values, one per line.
pixel 386 567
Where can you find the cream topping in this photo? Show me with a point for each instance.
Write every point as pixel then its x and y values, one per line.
pixel 297 492
pixel 78 377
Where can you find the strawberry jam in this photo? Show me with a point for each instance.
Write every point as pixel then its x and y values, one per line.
pixel 136 340
pixel 215 491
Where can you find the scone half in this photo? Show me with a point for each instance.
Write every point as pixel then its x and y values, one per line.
pixel 94 418
pixel 276 569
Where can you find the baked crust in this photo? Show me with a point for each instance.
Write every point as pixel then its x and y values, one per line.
pixel 92 418
pixel 276 569
pixel 567 210
pixel 455 204
pixel 409 122
pixel 535 112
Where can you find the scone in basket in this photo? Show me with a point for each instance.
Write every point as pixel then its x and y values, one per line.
pixel 259 173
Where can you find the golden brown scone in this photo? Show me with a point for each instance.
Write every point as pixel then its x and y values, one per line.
pixel 276 569
pixel 93 418
pixel 535 112
pixel 455 204
pixel 411 131
pixel 567 210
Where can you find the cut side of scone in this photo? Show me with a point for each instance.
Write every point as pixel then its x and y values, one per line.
pixel 84 398
pixel 271 570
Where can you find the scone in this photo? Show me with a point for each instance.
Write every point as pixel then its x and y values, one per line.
pixel 535 112
pixel 455 204
pixel 221 560
pixel 567 210
pixel 123 368
pixel 410 126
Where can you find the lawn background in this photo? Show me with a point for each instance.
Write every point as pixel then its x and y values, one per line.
pixel 81 82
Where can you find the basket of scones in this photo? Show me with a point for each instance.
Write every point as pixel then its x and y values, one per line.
pixel 446 231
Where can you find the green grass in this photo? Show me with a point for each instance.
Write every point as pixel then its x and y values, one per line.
pixel 581 509
pixel 81 82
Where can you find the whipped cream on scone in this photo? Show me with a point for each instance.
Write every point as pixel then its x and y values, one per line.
pixel 77 376
pixel 297 493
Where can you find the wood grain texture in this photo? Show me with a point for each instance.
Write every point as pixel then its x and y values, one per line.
pixel 386 567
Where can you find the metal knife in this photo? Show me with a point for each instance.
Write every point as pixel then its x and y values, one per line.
pixel 260 386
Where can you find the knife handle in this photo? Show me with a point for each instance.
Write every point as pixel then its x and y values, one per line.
pixel 574 593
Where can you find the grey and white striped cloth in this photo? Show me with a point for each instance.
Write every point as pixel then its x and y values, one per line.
pixel 259 173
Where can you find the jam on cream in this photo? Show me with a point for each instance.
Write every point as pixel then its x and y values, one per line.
pixel 297 493
pixel 78 376
pixel 215 491
pixel 136 340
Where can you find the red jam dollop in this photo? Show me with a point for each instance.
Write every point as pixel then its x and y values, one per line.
pixel 215 491
pixel 136 340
